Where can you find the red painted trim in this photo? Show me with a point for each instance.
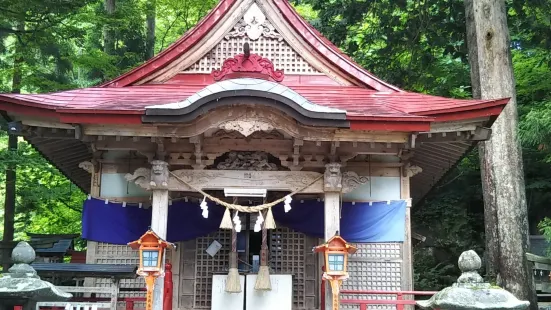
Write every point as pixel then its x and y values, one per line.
pixel 289 80
pixel 28 110
pixel 329 51
pixel 177 49
pixel 389 118
pixel 456 116
pixel 389 126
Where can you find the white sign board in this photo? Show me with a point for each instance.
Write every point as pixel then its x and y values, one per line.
pixel 226 301
pixel 213 248
pixel 279 298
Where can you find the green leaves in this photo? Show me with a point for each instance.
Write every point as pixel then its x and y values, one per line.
pixel 46 200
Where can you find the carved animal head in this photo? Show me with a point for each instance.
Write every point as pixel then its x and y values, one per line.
pixel 158 166
pixel 332 169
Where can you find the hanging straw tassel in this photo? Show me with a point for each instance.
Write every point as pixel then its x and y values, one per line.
pixel 263 282
pixel 269 222
pixel 233 283
pixel 226 220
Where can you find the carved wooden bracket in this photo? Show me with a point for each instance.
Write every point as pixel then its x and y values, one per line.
pixel 410 170
pixel 351 181
pixel 252 66
pixel 87 166
pixel 159 175
pixel 336 181
pixel 332 178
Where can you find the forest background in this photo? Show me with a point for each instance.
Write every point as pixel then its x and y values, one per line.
pixel 418 45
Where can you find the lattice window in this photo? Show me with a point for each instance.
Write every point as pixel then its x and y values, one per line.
pixel 375 266
pixel 291 253
pixel 279 52
pixel 207 266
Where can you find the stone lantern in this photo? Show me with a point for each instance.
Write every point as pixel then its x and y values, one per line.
pixel 471 293
pixel 21 286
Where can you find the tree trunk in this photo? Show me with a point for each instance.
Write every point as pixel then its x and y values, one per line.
pixel 150 39
pixel 9 199
pixel 108 31
pixel 506 215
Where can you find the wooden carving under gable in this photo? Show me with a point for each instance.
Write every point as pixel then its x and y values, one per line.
pixel 254 161
pixel 247 127
pixel 244 65
pixel 254 25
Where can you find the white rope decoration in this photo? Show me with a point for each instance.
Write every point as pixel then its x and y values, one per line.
pixel 248 209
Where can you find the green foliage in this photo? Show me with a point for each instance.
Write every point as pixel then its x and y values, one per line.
pixel 417 45
pixel 421 46
pixel 47 202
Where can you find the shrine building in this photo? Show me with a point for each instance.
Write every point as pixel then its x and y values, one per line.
pixel 255 115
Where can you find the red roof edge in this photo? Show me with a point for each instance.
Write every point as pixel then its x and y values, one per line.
pixel 489 103
pixel 328 50
pixel 188 40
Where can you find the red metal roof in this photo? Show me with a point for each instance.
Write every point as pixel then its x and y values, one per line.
pixel 374 100
pixel 360 103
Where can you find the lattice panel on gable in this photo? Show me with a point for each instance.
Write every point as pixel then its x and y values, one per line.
pixel 375 266
pixel 207 266
pixel 279 52
pixel 119 254
pixel 291 253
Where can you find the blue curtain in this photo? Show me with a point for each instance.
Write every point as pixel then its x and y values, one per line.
pixel 113 223
pixel 360 222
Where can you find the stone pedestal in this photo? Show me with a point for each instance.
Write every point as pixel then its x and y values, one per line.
pixel 471 293
pixel 21 286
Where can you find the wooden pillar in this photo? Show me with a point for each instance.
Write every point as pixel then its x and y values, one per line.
pixel 159 217
pixel 407 254
pixel 95 191
pixel 332 188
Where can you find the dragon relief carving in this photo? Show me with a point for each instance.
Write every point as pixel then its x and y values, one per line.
pixel 253 161
pixel 155 178
pixel 333 177
pixel 141 176
pixel 351 181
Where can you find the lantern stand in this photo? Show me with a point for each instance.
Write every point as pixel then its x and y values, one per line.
pixel 152 251
pixel 336 251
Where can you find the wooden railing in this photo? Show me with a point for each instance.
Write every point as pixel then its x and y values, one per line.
pixel 403 298
pixel 95 303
